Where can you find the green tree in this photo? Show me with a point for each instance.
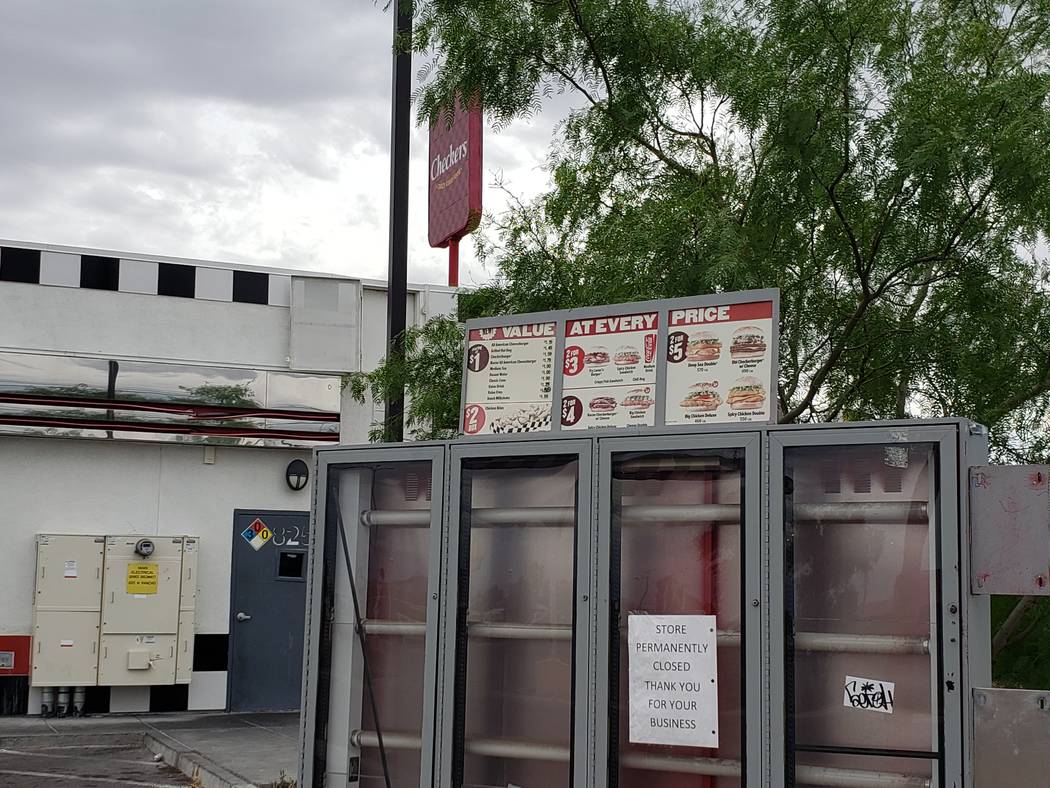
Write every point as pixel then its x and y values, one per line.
pixel 886 164
pixel 429 375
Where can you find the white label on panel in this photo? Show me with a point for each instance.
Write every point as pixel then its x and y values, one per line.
pixel 673 680
pixel 868 694
pixel 70 569
pixel 65 643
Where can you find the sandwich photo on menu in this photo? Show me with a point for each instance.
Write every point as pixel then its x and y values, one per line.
pixel 603 404
pixel 638 398
pixel 627 355
pixel 596 357
pixel 747 393
pixel 748 342
pixel 702 396
pixel 705 346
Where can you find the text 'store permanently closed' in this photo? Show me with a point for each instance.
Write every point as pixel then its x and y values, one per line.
pixel 673 678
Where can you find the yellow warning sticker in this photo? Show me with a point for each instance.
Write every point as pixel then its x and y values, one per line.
pixel 142 578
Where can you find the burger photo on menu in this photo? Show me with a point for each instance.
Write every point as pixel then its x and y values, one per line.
pixel 598 356
pixel 627 355
pixel 638 399
pixel 702 396
pixel 747 393
pixel 705 346
pixel 603 404
pixel 748 342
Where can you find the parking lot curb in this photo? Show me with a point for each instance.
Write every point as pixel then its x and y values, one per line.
pixel 206 772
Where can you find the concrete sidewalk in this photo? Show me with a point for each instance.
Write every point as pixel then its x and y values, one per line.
pixel 220 750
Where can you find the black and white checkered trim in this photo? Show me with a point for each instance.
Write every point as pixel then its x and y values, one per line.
pixel 129 275
pixel 514 426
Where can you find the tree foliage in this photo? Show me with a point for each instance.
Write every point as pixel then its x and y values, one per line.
pixel 885 164
pixel 429 375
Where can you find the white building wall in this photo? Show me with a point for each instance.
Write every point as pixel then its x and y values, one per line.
pixel 130 485
pixel 117 487
pixel 129 325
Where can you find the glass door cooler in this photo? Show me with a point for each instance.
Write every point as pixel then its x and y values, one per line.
pixel 734 607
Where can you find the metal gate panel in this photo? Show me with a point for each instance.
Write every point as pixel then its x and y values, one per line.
pixel 1012 729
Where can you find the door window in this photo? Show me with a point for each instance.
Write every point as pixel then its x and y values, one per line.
pixel 390 504
pixel 676 716
pixel 516 622
pixel 861 600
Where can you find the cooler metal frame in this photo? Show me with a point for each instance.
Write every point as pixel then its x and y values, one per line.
pixel 963 637
pixel 328 581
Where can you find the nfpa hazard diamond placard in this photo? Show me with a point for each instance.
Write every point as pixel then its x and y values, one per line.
pixel 257 534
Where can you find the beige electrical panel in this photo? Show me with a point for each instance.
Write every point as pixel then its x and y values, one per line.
pixel 184 647
pixel 68 572
pixel 187 610
pixel 141 593
pixel 133 660
pixel 66 601
pixel 65 649
pixel 190 551
pixel 114 610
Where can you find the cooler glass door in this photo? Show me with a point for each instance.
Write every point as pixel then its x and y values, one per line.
pixel 517 596
pixel 870 625
pixel 679 524
pixel 389 513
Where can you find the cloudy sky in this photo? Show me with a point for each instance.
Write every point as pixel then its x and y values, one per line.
pixel 253 131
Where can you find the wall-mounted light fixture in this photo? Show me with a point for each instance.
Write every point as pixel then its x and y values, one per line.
pixel 297 474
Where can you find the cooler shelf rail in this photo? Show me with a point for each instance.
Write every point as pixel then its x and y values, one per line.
pixel 838 513
pixel 815 642
pixel 710 767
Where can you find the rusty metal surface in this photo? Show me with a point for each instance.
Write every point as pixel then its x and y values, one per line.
pixel 1011 738
pixel 1010 529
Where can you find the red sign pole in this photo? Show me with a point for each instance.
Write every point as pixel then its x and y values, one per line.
pixel 453 263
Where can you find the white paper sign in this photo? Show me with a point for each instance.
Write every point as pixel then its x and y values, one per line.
pixel 609 371
pixel 70 570
pixel 673 679
pixel 868 694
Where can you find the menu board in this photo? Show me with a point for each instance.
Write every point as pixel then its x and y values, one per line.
pixel 706 359
pixel 508 379
pixel 719 363
pixel 609 371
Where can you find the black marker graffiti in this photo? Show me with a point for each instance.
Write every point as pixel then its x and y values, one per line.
pixel 867 694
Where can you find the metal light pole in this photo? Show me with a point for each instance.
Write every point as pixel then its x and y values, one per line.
pixel 397 275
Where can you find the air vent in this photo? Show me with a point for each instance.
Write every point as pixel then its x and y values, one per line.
pixel 412 487
pixel 893 480
pixel 862 482
pixel 832 481
pixel 430 485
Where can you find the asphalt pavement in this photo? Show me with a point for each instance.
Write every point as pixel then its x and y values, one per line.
pixel 149 750
pixel 52 764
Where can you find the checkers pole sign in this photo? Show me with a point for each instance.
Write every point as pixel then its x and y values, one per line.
pixel 701 360
pixel 454 173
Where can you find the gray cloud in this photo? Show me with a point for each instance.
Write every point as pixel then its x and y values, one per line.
pixel 252 130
